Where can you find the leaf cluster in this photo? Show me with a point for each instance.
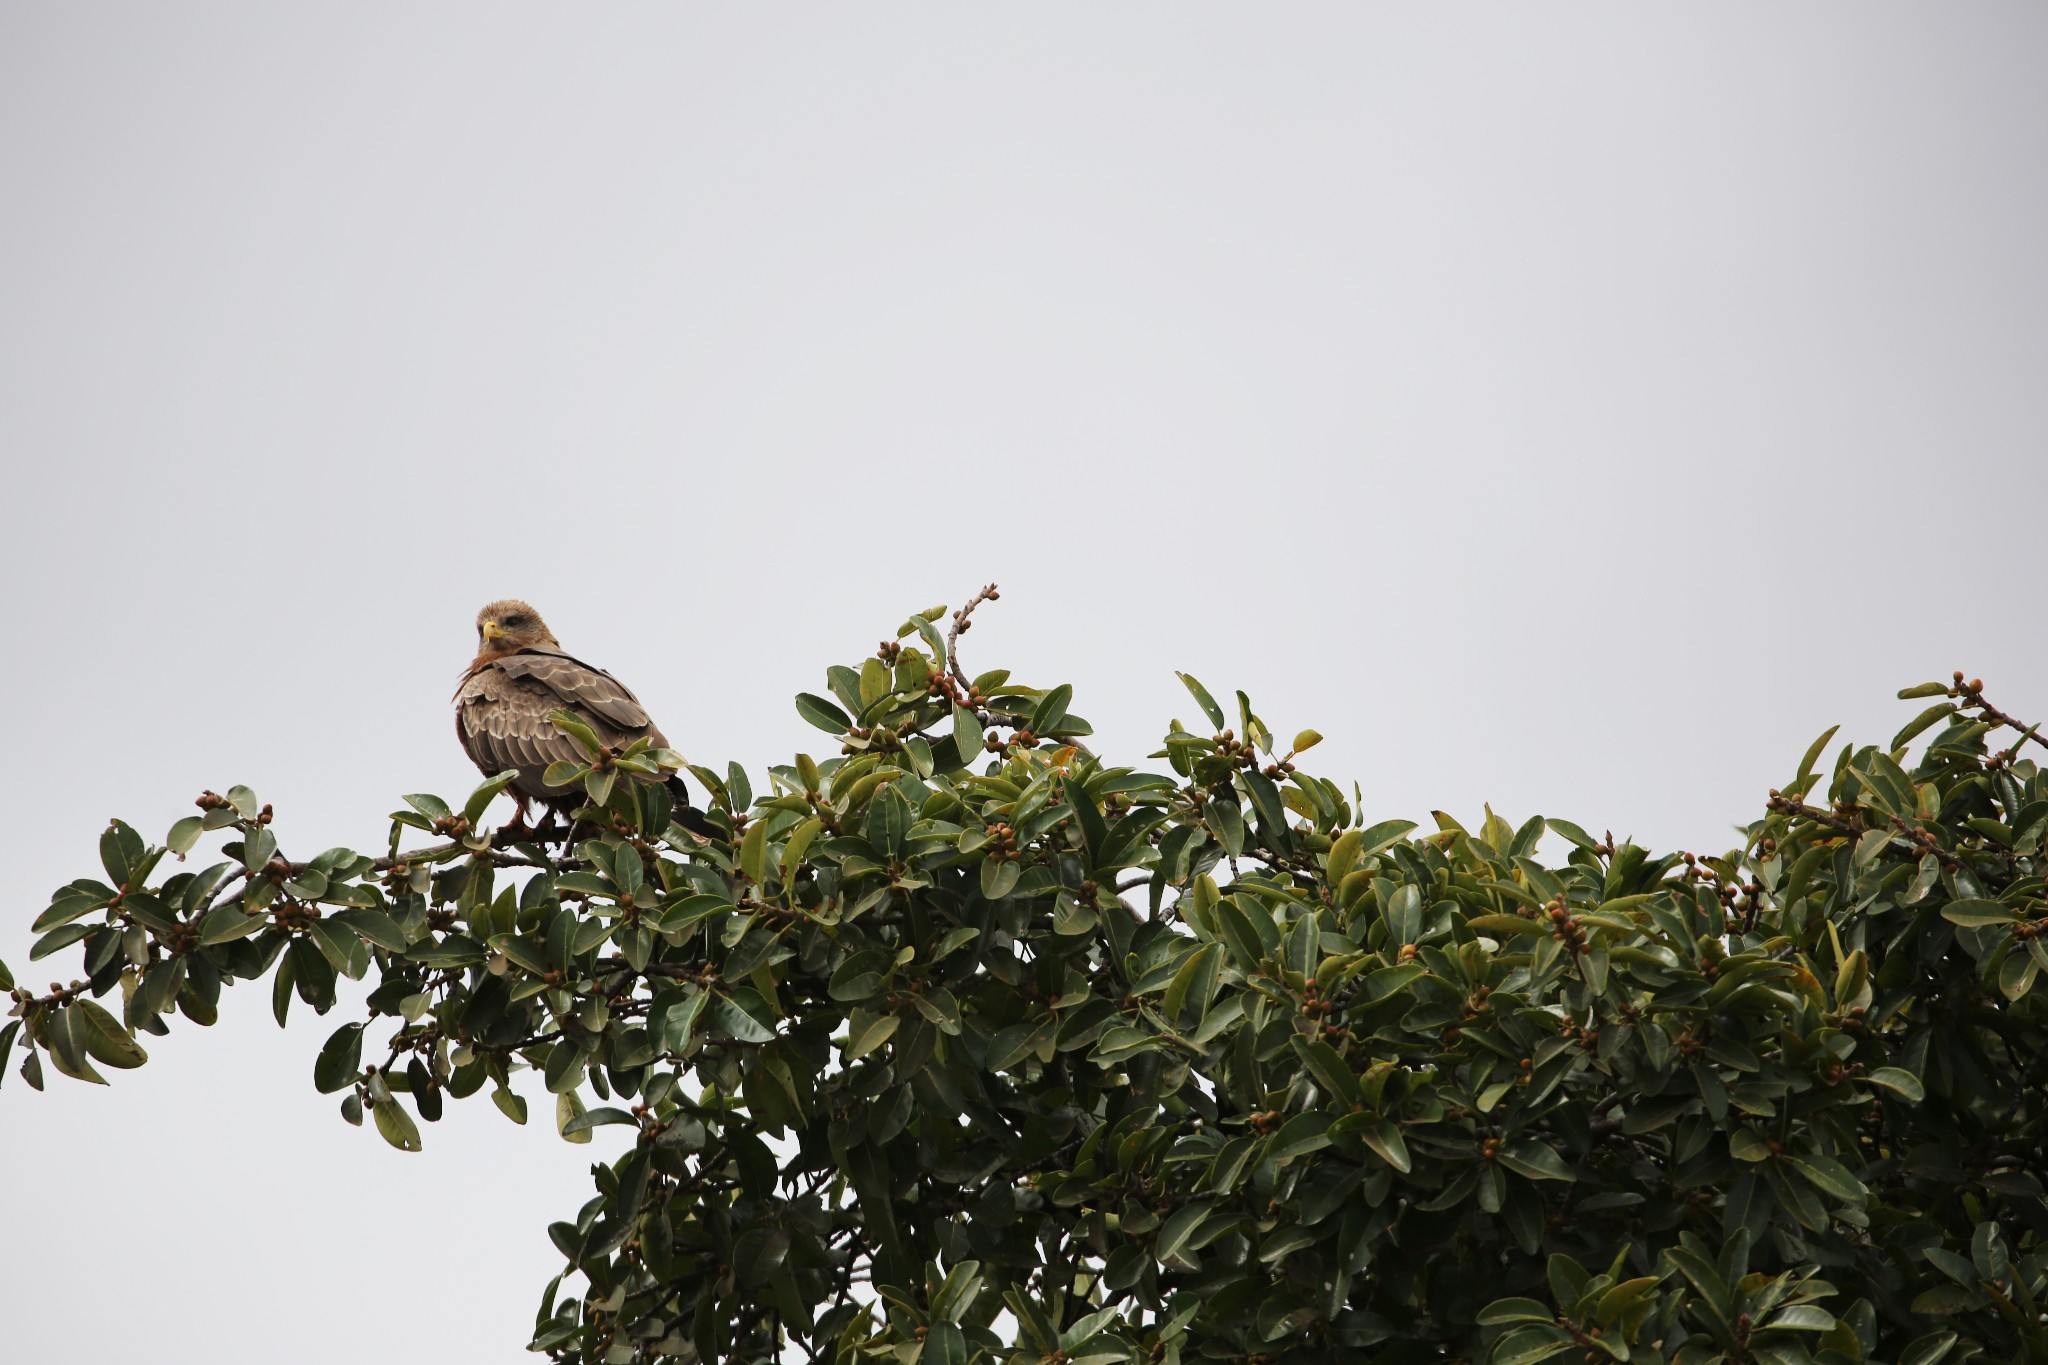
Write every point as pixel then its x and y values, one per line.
pixel 966 1044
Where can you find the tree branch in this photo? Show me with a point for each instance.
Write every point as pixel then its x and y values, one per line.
pixel 960 624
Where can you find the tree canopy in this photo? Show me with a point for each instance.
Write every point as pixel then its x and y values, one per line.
pixel 966 1043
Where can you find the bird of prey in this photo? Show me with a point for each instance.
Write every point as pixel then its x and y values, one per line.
pixel 519 675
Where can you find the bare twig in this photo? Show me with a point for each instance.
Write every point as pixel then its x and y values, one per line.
pixel 961 623
pixel 1972 694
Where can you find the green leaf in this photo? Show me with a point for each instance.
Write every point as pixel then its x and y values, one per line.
pixel 1302 1134
pixel 374 926
pixel 1195 980
pixel 1247 945
pixel 1387 1143
pixel 569 1108
pixel 1899 1081
pixel 1529 1345
pixel 1978 912
pixel 184 834
pixel 106 1039
pixel 1928 1350
pixel 396 1125
pixel 758 1255
pixel 1802 1317
pixel 576 728
pixel 998 879
pixel 1332 1075
pixel 754 852
pixel 565 1067
pixel 1830 1177
pixel 1382 836
pixel 860 975
pixel 426 803
pixel 340 1062
pixel 823 714
pixel 121 853
pixel 564 773
pixel 65 1036
pixel 1051 710
pixel 1942 1300
pixel 737 1022
pixel 1503 1311
pixel 866 1032
pixel 1173 1234
pixel 510 1105
pixel 229 923
pixel 67 905
pixel 1813 753
pixel 673 1018
pixel 1624 1296
pixel 1536 1160
pixel 1306 740
pixel 1384 982
pixel 798 844
pixel 956 1295
pixel 1203 700
pixel 597 1118
pixel 1921 723
pixel 481 798
pixel 56 940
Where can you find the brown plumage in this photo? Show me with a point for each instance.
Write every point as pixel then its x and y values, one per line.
pixel 520 674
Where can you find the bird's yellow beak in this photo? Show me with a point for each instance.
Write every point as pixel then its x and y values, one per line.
pixel 492 631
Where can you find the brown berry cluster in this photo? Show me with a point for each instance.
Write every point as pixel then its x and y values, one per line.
pixel 1564 926
pixel 941 684
pixel 888 650
pixel 881 739
pixel 1315 1005
pixel 211 800
pixel 1002 843
pixel 1231 749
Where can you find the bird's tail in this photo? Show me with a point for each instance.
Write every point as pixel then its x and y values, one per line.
pixel 688 816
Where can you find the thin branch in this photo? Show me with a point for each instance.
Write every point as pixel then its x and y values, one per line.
pixel 961 623
pixel 1972 693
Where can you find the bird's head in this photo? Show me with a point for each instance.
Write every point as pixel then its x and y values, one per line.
pixel 511 625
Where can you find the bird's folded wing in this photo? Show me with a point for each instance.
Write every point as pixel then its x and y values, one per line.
pixel 583 688
pixel 503 723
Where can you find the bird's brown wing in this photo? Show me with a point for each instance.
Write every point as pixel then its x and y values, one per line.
pixel 608 704
pixel 501 716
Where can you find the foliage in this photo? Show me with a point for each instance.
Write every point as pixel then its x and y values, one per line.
pixel 965 1044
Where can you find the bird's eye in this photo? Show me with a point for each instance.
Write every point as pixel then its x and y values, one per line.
pixel 517 622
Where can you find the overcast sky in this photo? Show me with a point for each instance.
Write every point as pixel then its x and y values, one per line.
pixel 1573 407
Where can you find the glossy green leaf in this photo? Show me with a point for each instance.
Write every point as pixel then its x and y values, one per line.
pixel 396 1125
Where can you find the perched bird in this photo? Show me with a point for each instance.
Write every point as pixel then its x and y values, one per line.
pixel 519 675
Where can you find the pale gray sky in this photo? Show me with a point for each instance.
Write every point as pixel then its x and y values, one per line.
pixel 1574 407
